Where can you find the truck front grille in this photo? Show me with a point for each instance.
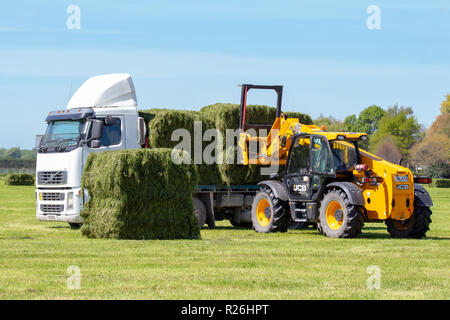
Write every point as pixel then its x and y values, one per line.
pixel 52 177
pixel 53 196
pixel 52 208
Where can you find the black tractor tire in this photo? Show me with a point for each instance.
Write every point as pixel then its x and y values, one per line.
pixel 338 217
pixel 199 211
pixel 277 215
pixel 415 227
pixel 75 226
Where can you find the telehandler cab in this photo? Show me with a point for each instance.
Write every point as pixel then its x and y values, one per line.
pixel 328 180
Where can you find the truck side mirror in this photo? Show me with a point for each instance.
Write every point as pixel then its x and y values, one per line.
pixel 38 140
pixel 110 121
pixel 97 129
pixel 95 144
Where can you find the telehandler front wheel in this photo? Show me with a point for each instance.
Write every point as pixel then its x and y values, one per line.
pixel 269 213
pixel 415 227
pixel 339 218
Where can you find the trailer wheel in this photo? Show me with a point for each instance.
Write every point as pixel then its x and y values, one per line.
pixel 199 211
pixel 416 227
pixel 269 214
pixel 339 218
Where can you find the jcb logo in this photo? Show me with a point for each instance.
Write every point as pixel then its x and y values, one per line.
pixel 300 187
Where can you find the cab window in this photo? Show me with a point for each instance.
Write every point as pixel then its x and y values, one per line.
pixel 300 156
pixel 111 135
pixel 344 155
pixel 321 156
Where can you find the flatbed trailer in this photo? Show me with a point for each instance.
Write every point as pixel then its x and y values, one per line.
pixel 214 203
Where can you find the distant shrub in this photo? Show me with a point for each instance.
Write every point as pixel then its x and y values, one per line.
pixel 19 179
pixel 441 183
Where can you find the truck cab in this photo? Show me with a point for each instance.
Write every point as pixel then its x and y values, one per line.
pixel 102 115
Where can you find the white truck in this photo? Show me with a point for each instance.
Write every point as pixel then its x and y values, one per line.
pixel 102 115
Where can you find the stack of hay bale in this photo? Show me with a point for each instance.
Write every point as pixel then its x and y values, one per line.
pixel 221 116
pixel 139 194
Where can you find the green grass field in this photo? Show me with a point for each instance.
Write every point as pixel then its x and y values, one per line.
pixel 227 264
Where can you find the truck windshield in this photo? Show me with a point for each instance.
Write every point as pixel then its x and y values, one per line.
pixel 62 135
pixel 344 155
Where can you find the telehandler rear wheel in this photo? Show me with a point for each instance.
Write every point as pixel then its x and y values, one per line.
pixel 416 227
pixel 269 213
pixel 339 218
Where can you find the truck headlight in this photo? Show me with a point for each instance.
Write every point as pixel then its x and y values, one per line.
pixel 70 201
pixel 401 178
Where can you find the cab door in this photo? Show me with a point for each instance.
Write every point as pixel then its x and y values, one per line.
pixel 322 165
pixel 310 164
pixel 297 177
pixel 113 137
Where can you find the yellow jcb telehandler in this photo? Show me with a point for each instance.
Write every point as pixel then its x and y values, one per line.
pixel 328 180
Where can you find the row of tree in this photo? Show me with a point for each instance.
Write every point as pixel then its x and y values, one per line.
pixel 396 134
pixel 17 153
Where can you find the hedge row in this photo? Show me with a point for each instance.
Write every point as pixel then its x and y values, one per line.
pixel 18 163
pixel 441 183
pixel 139 194
pixel 19 179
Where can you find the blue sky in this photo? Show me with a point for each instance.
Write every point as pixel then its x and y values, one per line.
pixel 187 54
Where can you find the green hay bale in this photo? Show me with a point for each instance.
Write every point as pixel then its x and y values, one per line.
pixel 114 219
pixel 19 179
pixel 162 125
pixel 165 122
pixel 139 194
pixel 148 174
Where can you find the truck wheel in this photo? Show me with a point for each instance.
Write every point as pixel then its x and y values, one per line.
pixel 75 226
pixel 415 227
pixel 268 213
pixel 339 218
pixel 199 211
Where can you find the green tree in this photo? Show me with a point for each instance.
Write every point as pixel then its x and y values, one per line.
pixel 367 121
pixel 351 123
pixel 13 153
pixel 369 118
pixel 331 123
pixel 402 125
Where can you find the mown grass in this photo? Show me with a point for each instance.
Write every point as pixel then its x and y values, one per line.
pixel 227 264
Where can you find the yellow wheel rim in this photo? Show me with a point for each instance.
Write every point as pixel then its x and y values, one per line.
pixel 334 215
pixel 263 212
